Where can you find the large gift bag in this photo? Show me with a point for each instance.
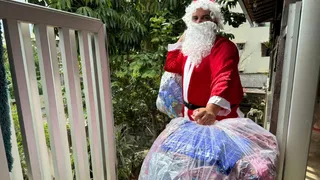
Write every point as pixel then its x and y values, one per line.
pixel 230 149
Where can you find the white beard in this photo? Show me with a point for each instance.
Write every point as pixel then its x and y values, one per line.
pixel 199 40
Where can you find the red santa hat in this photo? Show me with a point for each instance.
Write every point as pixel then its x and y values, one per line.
pixel 210 5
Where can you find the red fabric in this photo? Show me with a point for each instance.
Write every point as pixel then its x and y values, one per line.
pixel 217 75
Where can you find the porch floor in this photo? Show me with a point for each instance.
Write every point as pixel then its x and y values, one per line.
pixel 313 169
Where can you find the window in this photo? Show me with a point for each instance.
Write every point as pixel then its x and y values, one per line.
pixel 241 47
pixel 265 50
pixel 260 24
pixel 264 24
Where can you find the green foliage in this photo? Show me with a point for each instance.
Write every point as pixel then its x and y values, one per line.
pixel 227 35
pixel 268 44
pixel 8 74
pixel 257 109
pixel 135 83
pixel 14 115
pixel 125 145
pixel 233 19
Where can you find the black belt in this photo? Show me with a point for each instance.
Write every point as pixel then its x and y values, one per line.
pixel 194 107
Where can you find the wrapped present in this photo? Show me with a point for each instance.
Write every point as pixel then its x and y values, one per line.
pixel 170 100
pixel 230 149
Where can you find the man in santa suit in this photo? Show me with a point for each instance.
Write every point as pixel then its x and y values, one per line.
pixel 208 64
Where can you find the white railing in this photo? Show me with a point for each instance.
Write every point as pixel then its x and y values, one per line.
pixel 74 31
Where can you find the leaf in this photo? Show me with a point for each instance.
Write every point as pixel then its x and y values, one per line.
pixel 150 74
pixel 120 74
pixel 86 11
pixel 154 40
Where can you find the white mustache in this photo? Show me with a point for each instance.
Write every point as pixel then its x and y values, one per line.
pixel 199 40
pixel 202 27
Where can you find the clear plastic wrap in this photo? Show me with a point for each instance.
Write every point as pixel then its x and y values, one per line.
pixel 230 149
pixel 170 100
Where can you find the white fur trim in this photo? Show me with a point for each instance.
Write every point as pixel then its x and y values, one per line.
pixel 188 69
pixel 186 116
pixel 172 47
pixel 223 103
pixel 213 7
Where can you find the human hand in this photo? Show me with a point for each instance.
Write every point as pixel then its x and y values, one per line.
pixel 204 116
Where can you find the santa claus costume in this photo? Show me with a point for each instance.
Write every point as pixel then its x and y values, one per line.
pixel 208 64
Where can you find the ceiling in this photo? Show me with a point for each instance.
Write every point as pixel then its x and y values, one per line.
pixel 260 11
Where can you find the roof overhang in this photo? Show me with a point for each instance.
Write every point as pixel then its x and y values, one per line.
pixel 245 12
pixel 258 11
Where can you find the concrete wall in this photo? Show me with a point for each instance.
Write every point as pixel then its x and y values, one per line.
pixel 250 59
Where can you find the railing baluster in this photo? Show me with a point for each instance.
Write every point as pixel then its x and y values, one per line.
pixel 36 102
pixel 86 53
pixel 4 171
pixel 49 69
pixel 16 173
pixel 74 101
pixel 106 111
pixel 28 100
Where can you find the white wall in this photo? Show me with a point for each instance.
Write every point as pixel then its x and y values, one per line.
pixel 251 60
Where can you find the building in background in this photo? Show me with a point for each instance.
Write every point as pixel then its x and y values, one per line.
pixel 253 45
pixel 254 50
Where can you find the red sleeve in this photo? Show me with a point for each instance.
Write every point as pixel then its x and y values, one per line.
pixel 174 62
pixel 224 71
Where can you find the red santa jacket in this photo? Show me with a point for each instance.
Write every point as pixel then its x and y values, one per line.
pixel 215 80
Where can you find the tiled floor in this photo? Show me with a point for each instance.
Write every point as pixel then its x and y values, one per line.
pixel 313 169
